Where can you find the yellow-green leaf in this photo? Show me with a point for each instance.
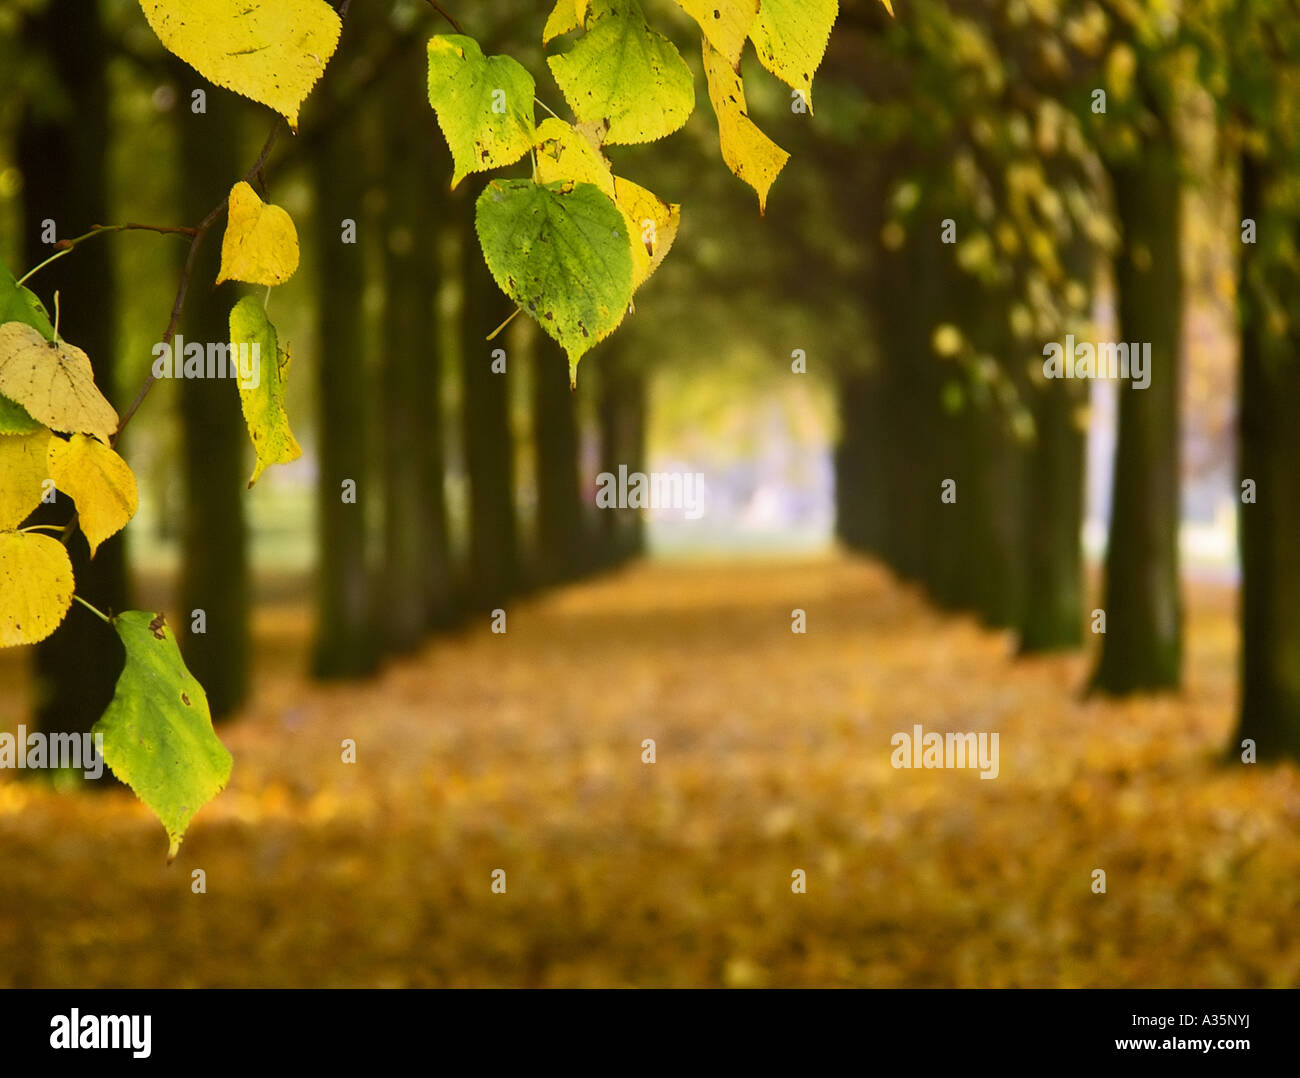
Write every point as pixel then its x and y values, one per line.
pixel 270 50
pixel 261 242
pixel 484 104
pixel 623 72
pixel 54 381
pixel 725 23
pixel 263 401
pixel 565 153
pixel 157 730
pixel 748 152
pixel 790 37
pixel 562 20
pixel 35 587
pixel 99 481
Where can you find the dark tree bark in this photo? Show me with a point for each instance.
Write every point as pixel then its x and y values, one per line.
pixel 416 571
pixel 1269 440
pixel 214 440
pixel 488 437
pixel 1143 644
pixel 621 414
pixel 62 152
pixel 346 644
pixel 562 552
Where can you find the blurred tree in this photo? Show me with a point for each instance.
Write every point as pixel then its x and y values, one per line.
pixel 1143 644
pixel 563 551
pixel 214 463
pixel 485 419
pixel 346 644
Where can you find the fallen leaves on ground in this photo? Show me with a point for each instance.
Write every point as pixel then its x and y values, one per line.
pixel 523 752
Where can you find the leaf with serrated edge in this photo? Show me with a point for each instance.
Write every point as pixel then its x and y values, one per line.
pixel 624 72
pixel 484 104
pixel 562 20
pixel 790 37
pixel 54 381
pixel 561 251
pixel 272 51
pixel 99 481
pixel 158 735
pixel 23 471
pixel 35 587
pixel 261 243
pixel 748 152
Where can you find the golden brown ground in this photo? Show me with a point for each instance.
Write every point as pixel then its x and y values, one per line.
pixel 523 752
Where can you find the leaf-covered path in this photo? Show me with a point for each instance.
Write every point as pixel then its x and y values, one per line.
pixel 523 752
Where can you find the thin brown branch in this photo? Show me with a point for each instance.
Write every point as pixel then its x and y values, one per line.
pixel 444 13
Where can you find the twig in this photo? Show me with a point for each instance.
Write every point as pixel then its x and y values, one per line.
pixel 443 12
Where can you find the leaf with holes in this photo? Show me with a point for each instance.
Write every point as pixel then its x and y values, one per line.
pixel 158 735
pixel 562 252
pixel 725 23
pixel 748 152
pixel 484 104
pixel 627 74
pixel 790 37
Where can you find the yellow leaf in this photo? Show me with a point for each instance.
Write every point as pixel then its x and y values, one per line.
pixel 22 472
pixel 652 224
pixel 725 23
pixel 54 381
pixel 35 587
pixel 99 481
pixel 888 7
pixel 564 153
pixel 562 20
pixel 748 152
pixel 581 7
pixel 261 243
pixel 270 50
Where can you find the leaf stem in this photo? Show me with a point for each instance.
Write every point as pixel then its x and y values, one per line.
pixel 42 527
pixel 444 13
pixel 493 334
pixel 98 613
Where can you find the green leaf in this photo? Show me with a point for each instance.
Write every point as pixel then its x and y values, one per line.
pixel 15 419
pixel 790 37
pixel 263 402
pixel 484 104
pixel 158 735
pixel 20 304
pixel 627 74
pixel 562 252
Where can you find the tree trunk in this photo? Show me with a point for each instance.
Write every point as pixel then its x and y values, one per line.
pixel 345 644
pixel 561 534
pixel 62 154
pixel 214 440
pixel 488 438
pixel 1143 644
pixel 1269 439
